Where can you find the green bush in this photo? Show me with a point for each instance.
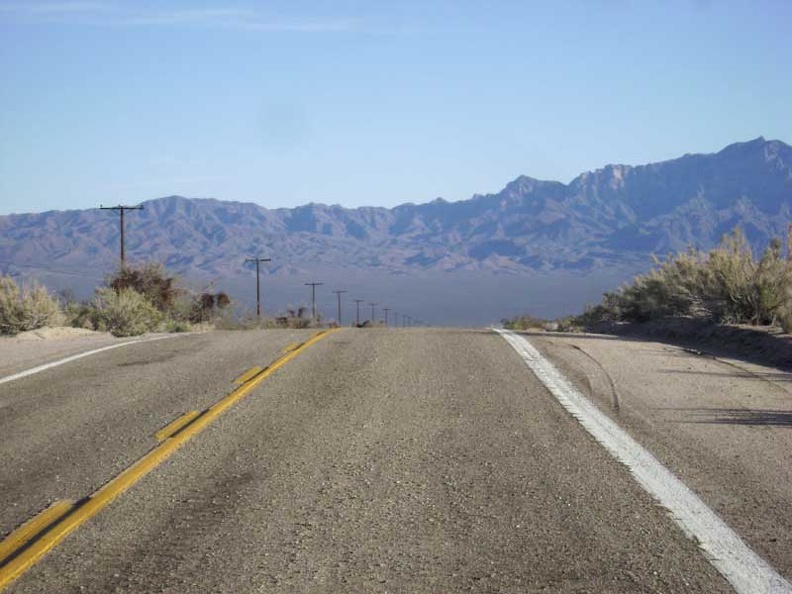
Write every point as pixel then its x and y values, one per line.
pixel 27 308
pixel 125 312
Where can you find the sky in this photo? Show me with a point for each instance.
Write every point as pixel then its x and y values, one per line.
pixel 366 103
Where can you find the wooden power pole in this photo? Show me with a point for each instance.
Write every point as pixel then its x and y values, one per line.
pixel 339 293
pixel 258 261
pixel 121 210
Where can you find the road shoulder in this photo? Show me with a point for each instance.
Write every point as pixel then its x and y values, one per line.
pixel 721 425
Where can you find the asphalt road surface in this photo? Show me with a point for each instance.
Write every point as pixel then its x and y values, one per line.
pixel 390 460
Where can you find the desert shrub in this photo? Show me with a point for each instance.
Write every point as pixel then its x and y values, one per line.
pixel 568 324
pixel 523 322
pixel 784 318
pixel 728 284
pixel 27 308
pixel 173 325
pixel 773 284
pixel 180 307
pixel 297 317
pixel 205 307
pixel 679 286
pixel 125 312
pixel 81 314
pixel 149 280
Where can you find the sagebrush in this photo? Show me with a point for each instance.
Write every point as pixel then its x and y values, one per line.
pixel 134 300
pixel 125 312
pixel 26 308
pixel 726 285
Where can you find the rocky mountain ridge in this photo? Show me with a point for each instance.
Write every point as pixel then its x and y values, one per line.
pixel 610 217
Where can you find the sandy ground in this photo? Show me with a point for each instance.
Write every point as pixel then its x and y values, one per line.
pixel 766 346
pixel 58 333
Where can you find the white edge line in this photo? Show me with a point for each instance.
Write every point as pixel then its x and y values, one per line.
pixel 746 571
pixel 59 362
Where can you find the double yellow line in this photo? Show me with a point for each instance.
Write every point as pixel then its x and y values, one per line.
pixel 31 541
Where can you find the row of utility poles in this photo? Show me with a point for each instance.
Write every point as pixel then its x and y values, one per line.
pixel 406 320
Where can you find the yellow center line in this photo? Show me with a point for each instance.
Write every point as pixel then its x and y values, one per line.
pixel 248 375
pixel 118 485
pixel 173 427
pixel 22 535
pixel 290 347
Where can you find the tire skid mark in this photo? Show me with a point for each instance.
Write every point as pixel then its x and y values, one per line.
pixel 614 394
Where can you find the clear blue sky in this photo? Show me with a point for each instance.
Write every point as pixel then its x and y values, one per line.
pixel 371 103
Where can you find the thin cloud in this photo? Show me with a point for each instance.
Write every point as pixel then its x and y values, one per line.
pixel 50 9
pixel 64 7
pixel 166 182
pixel 306 26
pixel 103 14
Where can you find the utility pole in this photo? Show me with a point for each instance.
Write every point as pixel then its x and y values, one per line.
pixel 339 304
pixel 258 261
pixel 358 302
pixel 313 298
pixel 386 310
pixel 121 210
pixel 373 305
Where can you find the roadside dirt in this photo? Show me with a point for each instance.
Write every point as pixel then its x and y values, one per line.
pixel 760 345
pixel 58 333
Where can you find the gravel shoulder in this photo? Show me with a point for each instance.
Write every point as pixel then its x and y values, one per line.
pixel 386 461
pixel 723 425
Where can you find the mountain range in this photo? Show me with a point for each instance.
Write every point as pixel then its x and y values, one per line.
pixel 603 221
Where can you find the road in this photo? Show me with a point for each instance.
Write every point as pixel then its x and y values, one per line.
pixel 389 460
